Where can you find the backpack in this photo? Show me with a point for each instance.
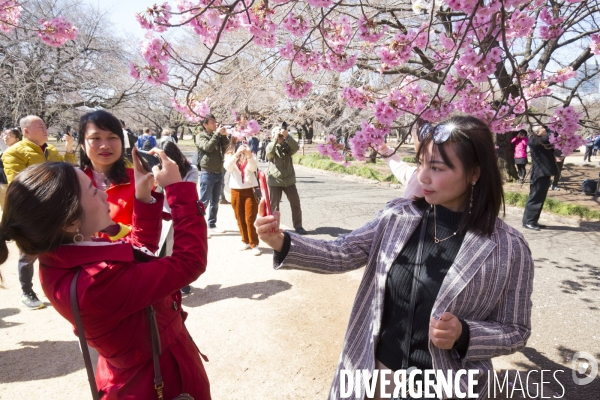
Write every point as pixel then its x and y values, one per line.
pixel 589 187
pixel 147 144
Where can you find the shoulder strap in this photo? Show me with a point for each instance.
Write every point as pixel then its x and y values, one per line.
pixel 82 342
pixel 156 350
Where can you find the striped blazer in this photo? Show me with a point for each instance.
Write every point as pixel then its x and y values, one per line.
pixel 488 286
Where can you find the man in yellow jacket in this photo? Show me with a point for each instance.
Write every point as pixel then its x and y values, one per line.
pixel 32 150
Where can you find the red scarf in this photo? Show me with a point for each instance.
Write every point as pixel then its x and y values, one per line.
pixel 242 166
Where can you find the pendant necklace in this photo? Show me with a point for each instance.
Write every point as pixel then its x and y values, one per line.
pixel 435 238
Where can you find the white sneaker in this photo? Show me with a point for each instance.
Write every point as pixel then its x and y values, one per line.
pixel 216 230
pixel 244 246
pixel 256 251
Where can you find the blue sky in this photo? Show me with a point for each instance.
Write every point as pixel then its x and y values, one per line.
pixel 121 14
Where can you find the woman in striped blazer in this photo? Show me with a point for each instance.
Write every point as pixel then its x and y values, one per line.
pixel 447 284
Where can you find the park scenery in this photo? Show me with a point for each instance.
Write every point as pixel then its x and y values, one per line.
pixel 440 162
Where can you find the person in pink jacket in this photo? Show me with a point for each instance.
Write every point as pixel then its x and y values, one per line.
pixel 519 142
pixel 53 210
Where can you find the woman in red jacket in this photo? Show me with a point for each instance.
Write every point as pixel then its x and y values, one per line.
pixel 53 210
pixel 102 158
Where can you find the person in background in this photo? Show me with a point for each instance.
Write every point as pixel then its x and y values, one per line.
pixel 146 141
pixel 253 143
pixel 519 144
pixel 596 145
pixel 242 168
pixel 115 283
pixel 543 167
pixel 211 143
pixel 129 139
pixel 263 147
pixel 189 173
pixel 447 283
pixel 281 176
pixel 102 159
pixel 560 160
pixel 168 135
pixel 589 147
pixel 9 137
pixel 32 150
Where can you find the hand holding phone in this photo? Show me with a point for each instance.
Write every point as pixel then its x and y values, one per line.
pixel 264 190
pixel 267 222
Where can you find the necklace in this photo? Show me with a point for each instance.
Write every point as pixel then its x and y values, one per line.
pixel 435 238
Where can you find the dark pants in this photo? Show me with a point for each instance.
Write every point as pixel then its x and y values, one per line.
pixel 210 190
pixel 538 190
pixel 522 171
pixel 292 195
pixel 559 165
pixel 588 153
pixel 26 272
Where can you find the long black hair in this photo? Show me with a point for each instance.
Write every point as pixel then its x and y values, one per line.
pixel 106 121
pixel 173 152
pixel 473 144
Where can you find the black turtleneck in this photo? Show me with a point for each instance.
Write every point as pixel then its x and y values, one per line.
pixel 437 260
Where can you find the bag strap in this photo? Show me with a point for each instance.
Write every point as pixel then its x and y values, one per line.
pixel 82 342
pixel 156 351
pixel 413 293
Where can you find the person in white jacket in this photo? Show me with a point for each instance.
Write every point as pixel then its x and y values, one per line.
pixel 404 172
pixel 242 169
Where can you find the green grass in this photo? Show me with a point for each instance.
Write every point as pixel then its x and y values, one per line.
pixel 554 206
pixel 511 198
pixel 325 163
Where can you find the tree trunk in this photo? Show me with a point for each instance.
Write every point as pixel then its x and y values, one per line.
pixel 506 157
pixel 372 157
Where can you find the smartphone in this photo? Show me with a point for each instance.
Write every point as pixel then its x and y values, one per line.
pixel 264 189
pixel 148 161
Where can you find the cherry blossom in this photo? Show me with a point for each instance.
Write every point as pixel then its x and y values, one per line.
pixel 552 29
pixel 320 3
pixel 595 46
pixel 56 31
pixel 195 112
pixel 370 136
pixel 357 98
pixel 369 31
pixel 10 12
pixel 155 18
pixel 331 148
pixel 563 75
pixel 339 62
pixel 564 123
pixel 296 25
pixel 297 88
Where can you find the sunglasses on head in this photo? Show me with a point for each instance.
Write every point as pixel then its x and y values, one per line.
pixel 440 133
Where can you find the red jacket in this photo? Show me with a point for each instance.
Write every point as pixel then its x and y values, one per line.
pixel 115 287
pixel 120 198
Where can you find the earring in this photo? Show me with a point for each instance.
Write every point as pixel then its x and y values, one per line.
pixel 471 201
pixel 78 238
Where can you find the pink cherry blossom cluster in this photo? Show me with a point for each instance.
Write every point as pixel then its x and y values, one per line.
pixel 295 24
pixel 195 112
pixel 337 33
pixel 466 6
pixel 520 24
pixel 370 136
pixel 563 75
pixel 56 31
pixel 565 123
pixel 205 24
pixel 396 52
pixel 595 46
pixel 339 62
pixel 10 12
pixel 369 31
pixel 357 98
pixel 437 111
pixel 477 67
pixel 320 3
pixel 552 29
pixel 409 98
pixel 156 53
pixel 258 22
pixel 244 129
pixel 155 18
pixel 297 88
pixel 331 148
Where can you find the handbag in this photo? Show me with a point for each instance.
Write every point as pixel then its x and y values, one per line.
pixel 156 350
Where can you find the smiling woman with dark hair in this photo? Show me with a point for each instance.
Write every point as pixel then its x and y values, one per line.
pixel 447 284
pixel 102 158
